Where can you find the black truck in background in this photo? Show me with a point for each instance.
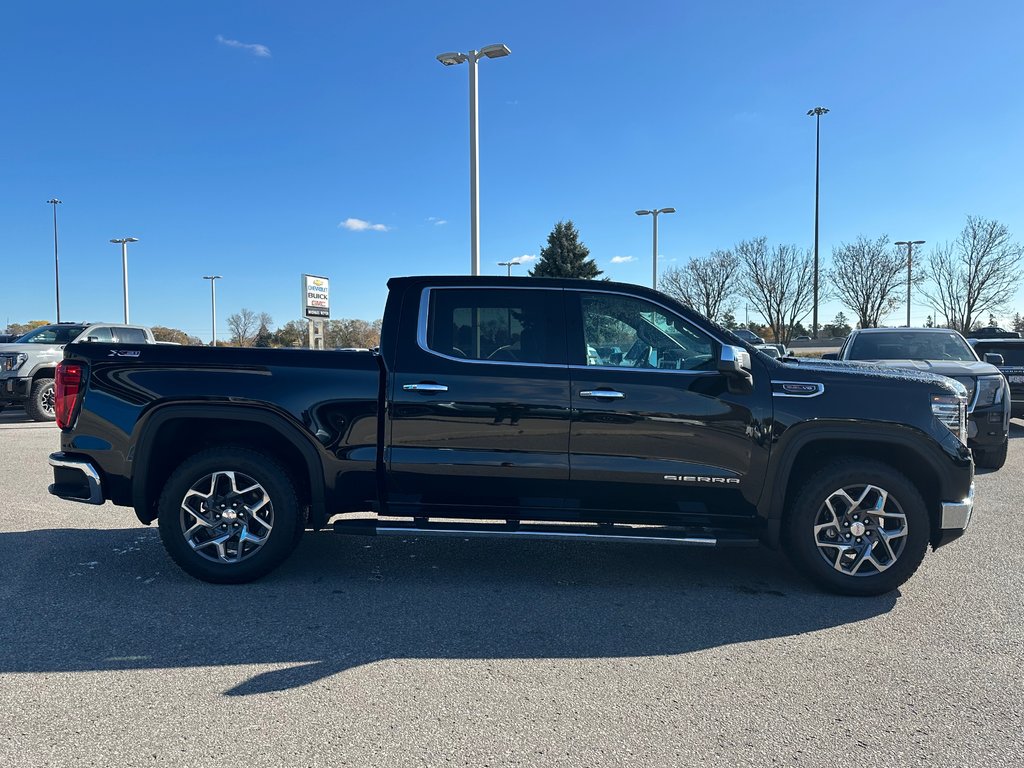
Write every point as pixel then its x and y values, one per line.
pixel 521 407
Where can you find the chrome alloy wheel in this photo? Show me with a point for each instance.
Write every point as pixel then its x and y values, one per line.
pixel 860 530
pixel 48 401
pixel 226 517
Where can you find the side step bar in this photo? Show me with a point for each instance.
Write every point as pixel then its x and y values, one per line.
pixel 646 534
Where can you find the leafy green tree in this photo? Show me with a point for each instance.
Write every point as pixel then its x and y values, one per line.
pixel 565 255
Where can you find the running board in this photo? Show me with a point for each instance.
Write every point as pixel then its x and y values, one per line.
pixel 646 534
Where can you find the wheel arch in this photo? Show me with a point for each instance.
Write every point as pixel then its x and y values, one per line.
pixel 171 434
pixel 801 456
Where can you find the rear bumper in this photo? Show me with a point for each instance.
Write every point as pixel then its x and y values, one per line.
pixel 75 479
pixel 954 518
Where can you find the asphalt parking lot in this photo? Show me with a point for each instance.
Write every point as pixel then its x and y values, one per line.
pixel 474 653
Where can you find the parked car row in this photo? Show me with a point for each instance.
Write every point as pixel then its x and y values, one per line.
pixel 28 364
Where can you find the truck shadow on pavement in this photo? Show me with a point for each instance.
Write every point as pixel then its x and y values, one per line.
pixel 93 600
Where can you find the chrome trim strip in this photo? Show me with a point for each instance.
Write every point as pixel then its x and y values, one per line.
pixel 820 389
pixel 87 469
pixel 693 541
pixel 956 515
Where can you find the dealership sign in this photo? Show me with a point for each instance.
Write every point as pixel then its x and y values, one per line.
pixel 316 303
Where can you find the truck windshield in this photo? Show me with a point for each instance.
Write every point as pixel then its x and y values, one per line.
pixel 52 334
pixel 911 345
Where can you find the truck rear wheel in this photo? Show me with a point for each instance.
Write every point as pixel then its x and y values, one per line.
pixel 229 515
pixel 857 527
pixel 40 403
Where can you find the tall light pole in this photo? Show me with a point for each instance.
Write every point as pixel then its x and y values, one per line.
pixel 817 112
pixel 509 264
pixel 213 305
pixel 124 267
pixel 472 57
pixel 655 212
pixel 910 261
pixel 56 263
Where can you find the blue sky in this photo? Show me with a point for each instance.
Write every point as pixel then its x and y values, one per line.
pixel 236 138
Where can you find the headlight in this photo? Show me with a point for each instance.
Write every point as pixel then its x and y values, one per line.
pixel 990 391
pixel 13 362
pixel 951 410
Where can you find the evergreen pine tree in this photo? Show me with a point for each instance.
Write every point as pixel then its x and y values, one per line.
pixel 565 255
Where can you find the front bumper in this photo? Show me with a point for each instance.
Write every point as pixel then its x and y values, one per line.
pixel 988 427
pixel 954 518
pixel 75 479
pixel 14 389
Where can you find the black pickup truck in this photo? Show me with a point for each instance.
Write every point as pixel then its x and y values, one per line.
pixel 521 407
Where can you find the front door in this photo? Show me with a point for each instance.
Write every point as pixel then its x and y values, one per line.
pixel 480 404
pixel 655 428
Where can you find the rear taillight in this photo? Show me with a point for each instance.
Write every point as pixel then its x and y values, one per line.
pixel 67 390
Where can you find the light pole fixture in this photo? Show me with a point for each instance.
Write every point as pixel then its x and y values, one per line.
pixel 124 267
pixel 910 261
pixel 472 57
pixel 511 263
pixel 56 262
pixel 655 212
pixel 213 305
pixel 817 112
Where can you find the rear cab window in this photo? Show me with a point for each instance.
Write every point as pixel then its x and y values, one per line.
pixel 495 325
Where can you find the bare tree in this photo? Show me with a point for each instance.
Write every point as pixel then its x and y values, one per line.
pixel 778 282
pixel 868 276
pixel 705 284
pixel 243 325
pixel 975 274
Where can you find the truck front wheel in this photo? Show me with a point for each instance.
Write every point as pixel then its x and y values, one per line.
pixel 40 403
pixel 229 515
pixel 857 527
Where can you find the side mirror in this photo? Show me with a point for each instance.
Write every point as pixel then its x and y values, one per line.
pixel 994 358
pixel 734 362
pixel 830 356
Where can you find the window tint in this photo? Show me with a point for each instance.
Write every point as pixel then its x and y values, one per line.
pixel 99 334
pixel 1013 354
pixel 52 334
pixel 627 332
pixel 511 326
pixel 131 335
pixel 911 345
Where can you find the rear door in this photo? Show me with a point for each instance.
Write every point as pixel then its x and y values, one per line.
pixel 655 429
pixel 479 415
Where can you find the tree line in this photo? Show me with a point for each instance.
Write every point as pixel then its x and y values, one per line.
pixel 962 281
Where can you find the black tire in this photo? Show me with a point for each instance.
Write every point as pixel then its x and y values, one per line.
pixel 39 405
pixel 991 458
pixel 215 464
pixel 808 551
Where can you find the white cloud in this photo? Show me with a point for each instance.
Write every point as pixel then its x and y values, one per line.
pixel 437 222
pixel 525 259
pixel 359 225
pixel 254 48
pixel 623 259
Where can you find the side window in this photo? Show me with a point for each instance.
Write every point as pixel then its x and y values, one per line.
pixel 500 325
pixel 628 332
pixel 99 333
pixel 131 335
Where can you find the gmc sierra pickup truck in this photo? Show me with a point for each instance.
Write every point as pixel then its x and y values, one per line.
pixel 521 407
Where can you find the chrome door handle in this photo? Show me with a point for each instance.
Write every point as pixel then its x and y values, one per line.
pixel 609 393
pixel 424 387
